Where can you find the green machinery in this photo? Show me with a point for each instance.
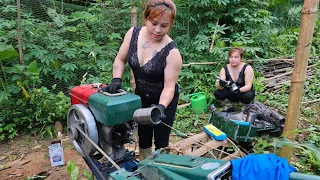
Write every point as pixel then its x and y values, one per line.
pixel 100 125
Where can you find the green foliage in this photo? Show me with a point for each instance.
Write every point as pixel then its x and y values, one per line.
pixel 87 174
pixel 73 170
pixel 259 89
pixel 48 107
pixel 7 131
pixel 306 147
pixel 188 122
pixel 261 146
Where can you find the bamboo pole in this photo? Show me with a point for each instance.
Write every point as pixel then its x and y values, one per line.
pixel 308 18
pixel 133 23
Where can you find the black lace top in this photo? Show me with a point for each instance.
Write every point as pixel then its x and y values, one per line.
pixel 241 81
pixel 150 76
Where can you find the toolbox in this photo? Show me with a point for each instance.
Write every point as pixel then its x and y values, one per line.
pixel 235 131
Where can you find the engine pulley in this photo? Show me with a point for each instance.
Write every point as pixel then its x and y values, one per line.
pixel 81 117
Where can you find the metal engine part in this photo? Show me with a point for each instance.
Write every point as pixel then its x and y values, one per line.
pixel 81 117
pixel 112 139
pixel 147 116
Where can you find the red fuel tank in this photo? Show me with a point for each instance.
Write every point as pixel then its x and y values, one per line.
pixel 80 94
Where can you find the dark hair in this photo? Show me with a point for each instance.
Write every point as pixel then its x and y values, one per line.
pixel 236 49
pixel 155 8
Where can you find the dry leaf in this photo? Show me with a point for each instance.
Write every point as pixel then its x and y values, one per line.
pixel 37 147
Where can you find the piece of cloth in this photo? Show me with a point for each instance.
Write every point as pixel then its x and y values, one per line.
pixel 261 167
pixel 149 80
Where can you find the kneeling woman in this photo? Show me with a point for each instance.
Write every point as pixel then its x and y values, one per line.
pixel 236 79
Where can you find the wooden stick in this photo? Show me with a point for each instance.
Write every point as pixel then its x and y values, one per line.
pixel 307 102
pixel 19 32
pixel 213 37
pixel 287 73
pixel 200 63
pixel 210 63
pixel 251 60
pixel 183 105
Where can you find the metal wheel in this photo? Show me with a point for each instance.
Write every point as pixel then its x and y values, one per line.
pixel 79 116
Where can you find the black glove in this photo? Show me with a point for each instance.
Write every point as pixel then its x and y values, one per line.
pixel 162 108
pixel 113 87
pixel 223 83
pixel 235 90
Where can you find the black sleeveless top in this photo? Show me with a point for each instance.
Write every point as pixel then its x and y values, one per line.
pixel 150 76
pixel 241 81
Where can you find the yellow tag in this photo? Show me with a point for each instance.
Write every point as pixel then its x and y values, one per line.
pixel 213 129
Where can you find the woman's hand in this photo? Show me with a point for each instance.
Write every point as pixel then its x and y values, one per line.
pixel 113 87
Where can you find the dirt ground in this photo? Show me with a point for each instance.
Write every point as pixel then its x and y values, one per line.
pixel 26 157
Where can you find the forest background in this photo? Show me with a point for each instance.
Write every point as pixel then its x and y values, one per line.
pixel 64 40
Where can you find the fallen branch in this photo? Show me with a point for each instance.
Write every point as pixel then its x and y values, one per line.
pixel 287 73
pixel 250 60
pixel 200 63
pixel 307 102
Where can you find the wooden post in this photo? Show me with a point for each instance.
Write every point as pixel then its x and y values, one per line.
pixel 19 32
pixel 133 23
pixel 308 18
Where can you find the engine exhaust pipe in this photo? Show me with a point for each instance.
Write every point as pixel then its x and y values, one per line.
pixel 147 116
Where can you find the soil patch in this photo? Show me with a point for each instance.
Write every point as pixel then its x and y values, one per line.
pixel 25 156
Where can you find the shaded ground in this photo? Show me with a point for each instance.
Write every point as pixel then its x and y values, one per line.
pixel 25 157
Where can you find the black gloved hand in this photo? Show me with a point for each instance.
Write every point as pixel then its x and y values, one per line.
pixel 235 90
pixel 162 108
pixel 113 87
pixel 223 83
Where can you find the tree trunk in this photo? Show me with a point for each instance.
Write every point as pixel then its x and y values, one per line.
pixel 308 18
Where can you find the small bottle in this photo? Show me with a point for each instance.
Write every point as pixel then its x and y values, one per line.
pixel 234 87
pixel 251 116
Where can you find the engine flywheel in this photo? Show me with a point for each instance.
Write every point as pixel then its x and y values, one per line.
pixel 80 116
